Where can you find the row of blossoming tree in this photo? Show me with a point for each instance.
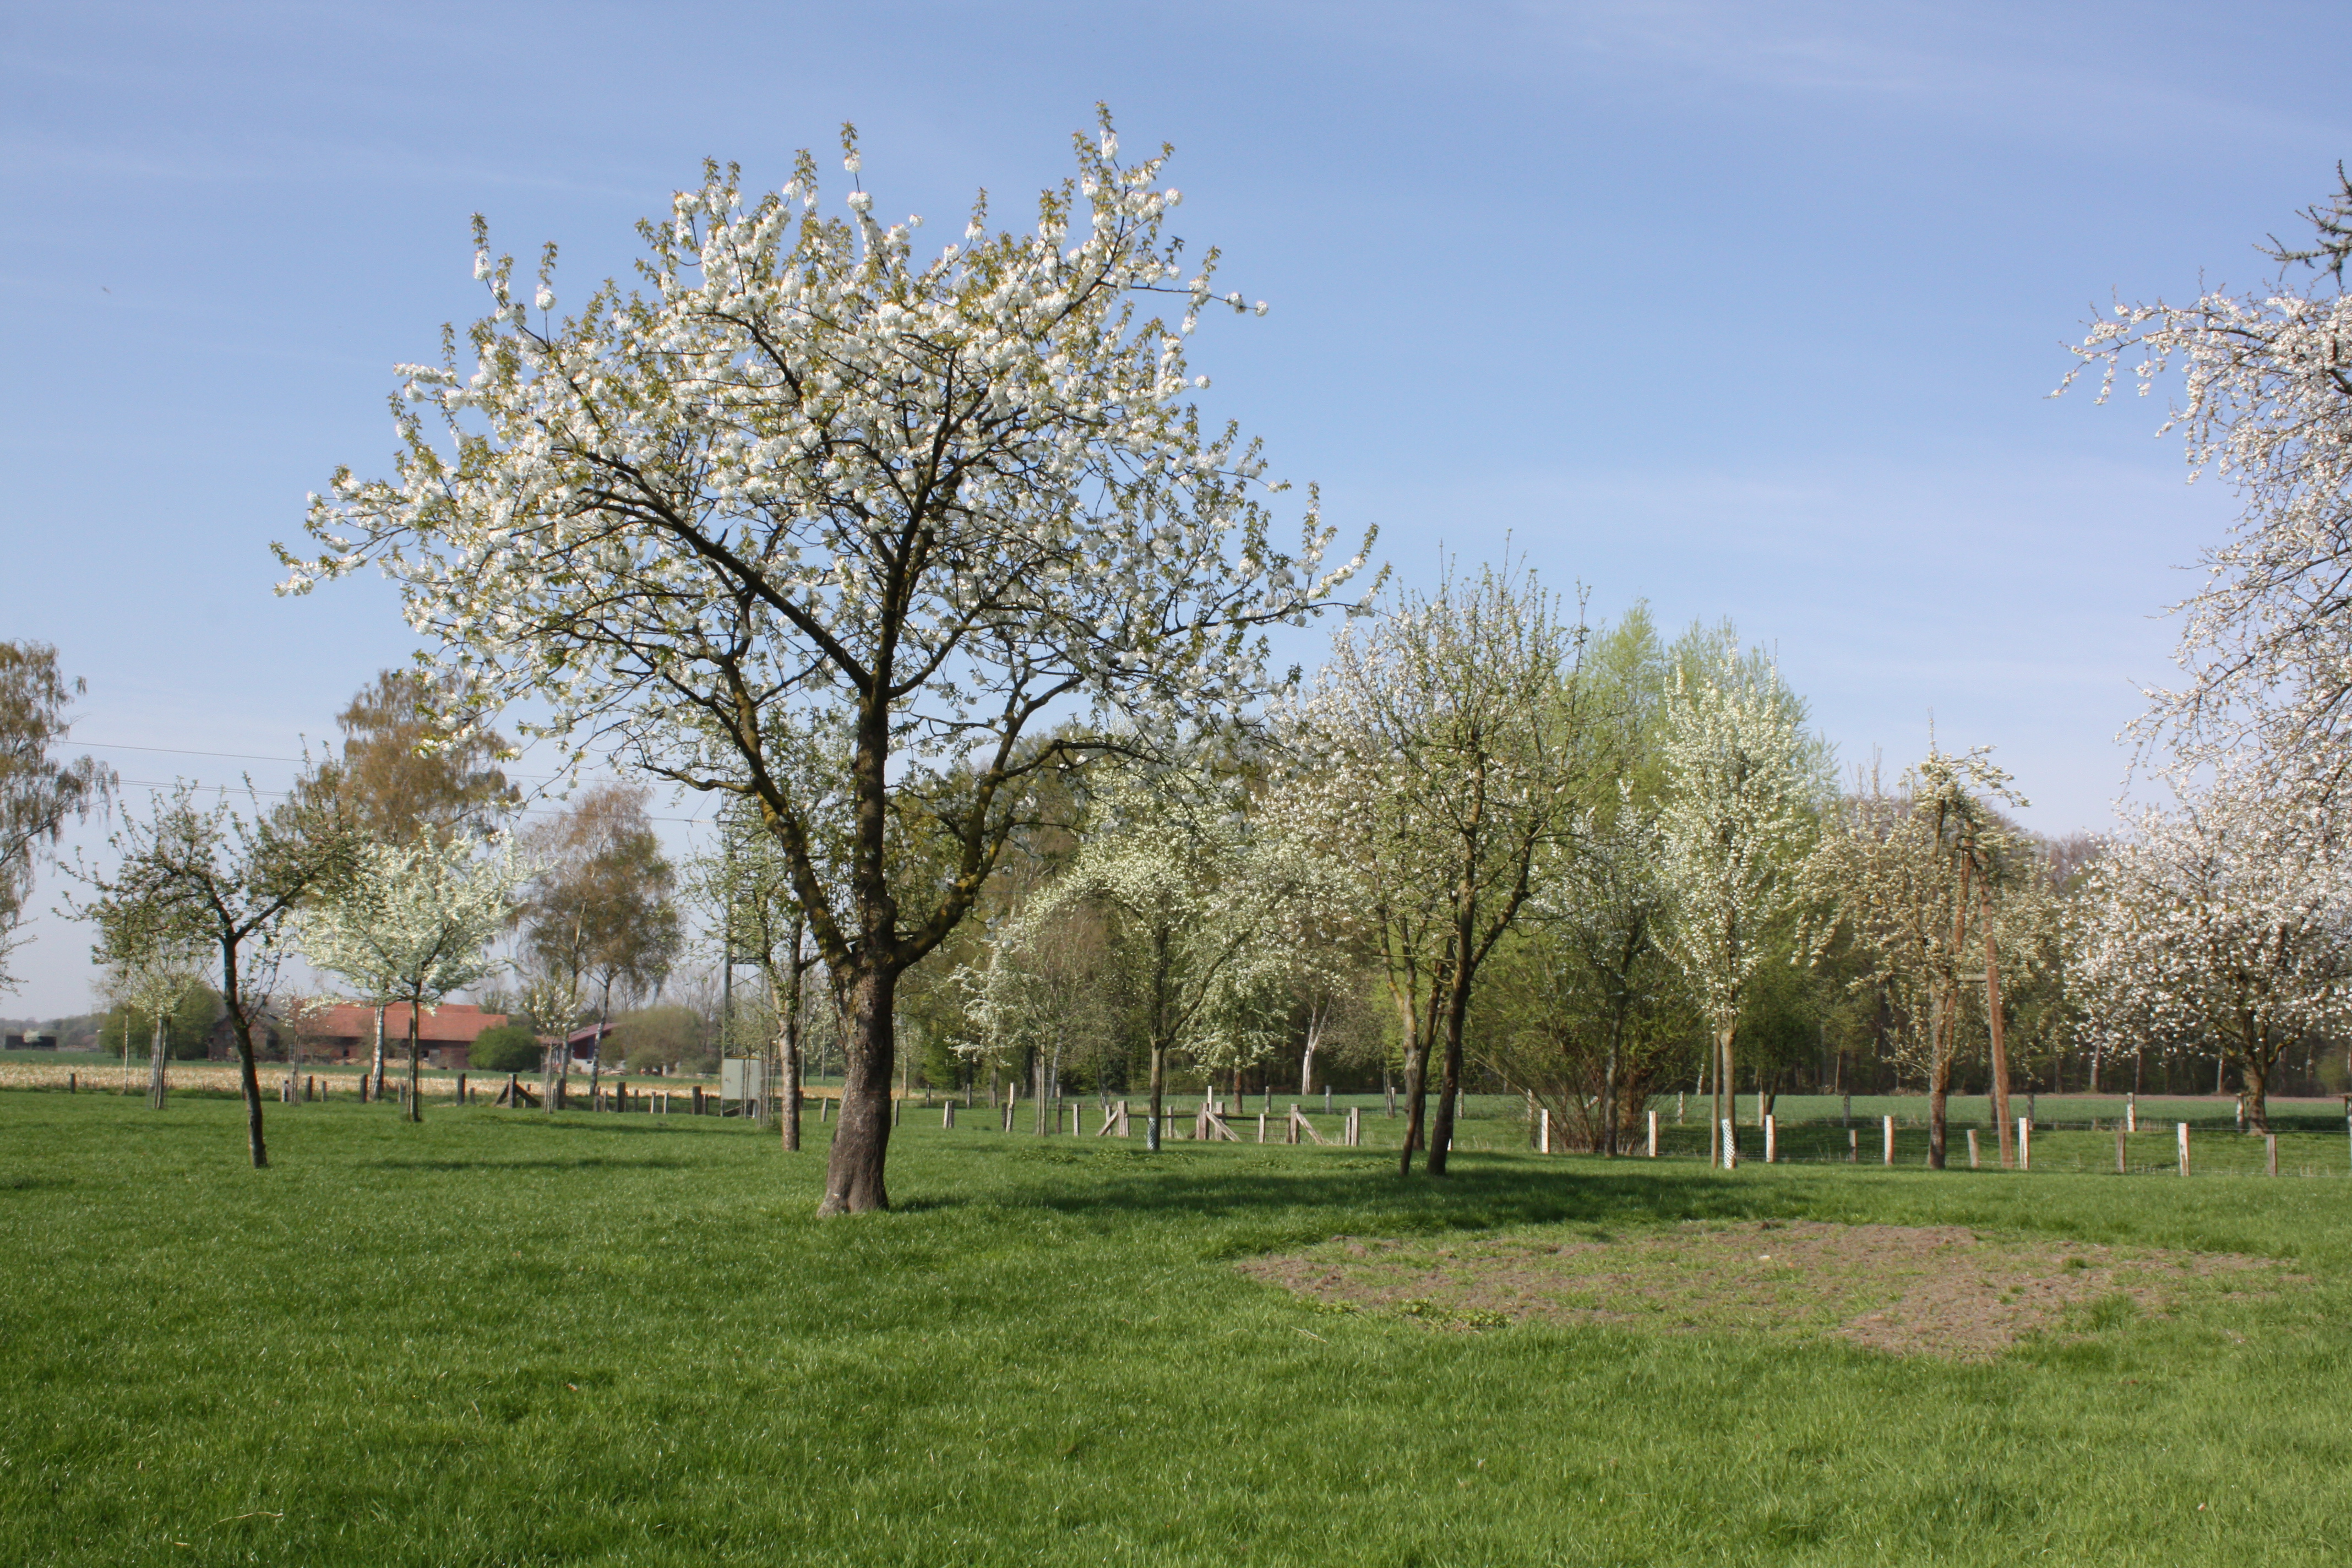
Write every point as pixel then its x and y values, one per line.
pixel 925 565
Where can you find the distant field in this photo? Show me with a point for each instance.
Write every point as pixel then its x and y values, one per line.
pixel 512 1338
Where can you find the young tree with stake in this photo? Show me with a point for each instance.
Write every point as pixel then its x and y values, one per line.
pixel 232 884
pixel 413 923
pixel 1741 782
pixel 802 483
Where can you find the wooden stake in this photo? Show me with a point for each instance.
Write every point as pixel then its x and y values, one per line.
pixel 2182 1129
pixel 1543 1131
pixel 2025 1143
pixel 2270 1151
pixel 1654 1135
pixel 1261 1126
pixel 1771 1139
pixel 1854 1145
pixel 1889 1122
pixel 1972 1148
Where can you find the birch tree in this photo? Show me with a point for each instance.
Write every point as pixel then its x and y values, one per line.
pixel 800 481
pixel 745 885
pixel 2225 923
pixel 1438 753
pixel 1741 784
pixel 39 793
pixel 413 923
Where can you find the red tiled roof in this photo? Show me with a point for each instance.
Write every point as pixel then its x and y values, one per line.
pixel 450 1024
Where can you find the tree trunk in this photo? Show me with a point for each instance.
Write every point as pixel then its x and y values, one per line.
pixel 156 1055
pixel 792 1044
pixel 1416 1097
pixel 377 1067
pixel 249 1076
pixel 596 1062
pixel 1159 1082
pixel 1727 1095
pixel 1999 1046
pixel 861 1139
pixel 1941 1028
pixel 416 1026
pixel 2256 1075
pixel 1458 1013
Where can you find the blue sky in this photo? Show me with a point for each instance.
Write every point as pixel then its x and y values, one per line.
pixel 1751 310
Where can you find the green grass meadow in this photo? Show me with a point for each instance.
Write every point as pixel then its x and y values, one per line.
pixel 506 1338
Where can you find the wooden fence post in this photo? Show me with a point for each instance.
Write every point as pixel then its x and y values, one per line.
pixel 947 1117
pixel 1290 1128
pixel 1972 1148
pixel 1771 1139
pixel 1355 1126
pixel 1890 1140
pixel 2182 1133
pixel 1654 1135
pixel 2121 1167
pixel 1854 1145
pixel 1261 1126
pixel 2270 1151
pixel 1078 1118
pixel 2131 1112
pixel 1543 1131
pixel 461 1088
pixel 2025 1143
pixel 73 1084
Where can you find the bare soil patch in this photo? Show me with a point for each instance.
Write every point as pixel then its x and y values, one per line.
pixel 1908 1291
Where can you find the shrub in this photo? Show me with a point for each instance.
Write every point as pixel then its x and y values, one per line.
pixel 509 1048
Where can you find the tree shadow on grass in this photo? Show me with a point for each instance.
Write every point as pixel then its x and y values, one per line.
pixel 1477 1196
pixel 578 1162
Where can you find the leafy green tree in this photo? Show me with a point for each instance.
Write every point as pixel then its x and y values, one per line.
pixel 656 1039
pixel 599 918
pixel 404 775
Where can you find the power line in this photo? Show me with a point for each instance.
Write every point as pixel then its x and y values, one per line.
pixel 282 794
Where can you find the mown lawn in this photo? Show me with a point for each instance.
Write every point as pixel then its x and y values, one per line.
pixel 503 1338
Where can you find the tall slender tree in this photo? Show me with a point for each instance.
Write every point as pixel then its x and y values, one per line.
pixel 1742 783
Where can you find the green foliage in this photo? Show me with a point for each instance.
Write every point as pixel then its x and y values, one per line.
pixel 510 1047
pixel 655 1038
pixel 188 1031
